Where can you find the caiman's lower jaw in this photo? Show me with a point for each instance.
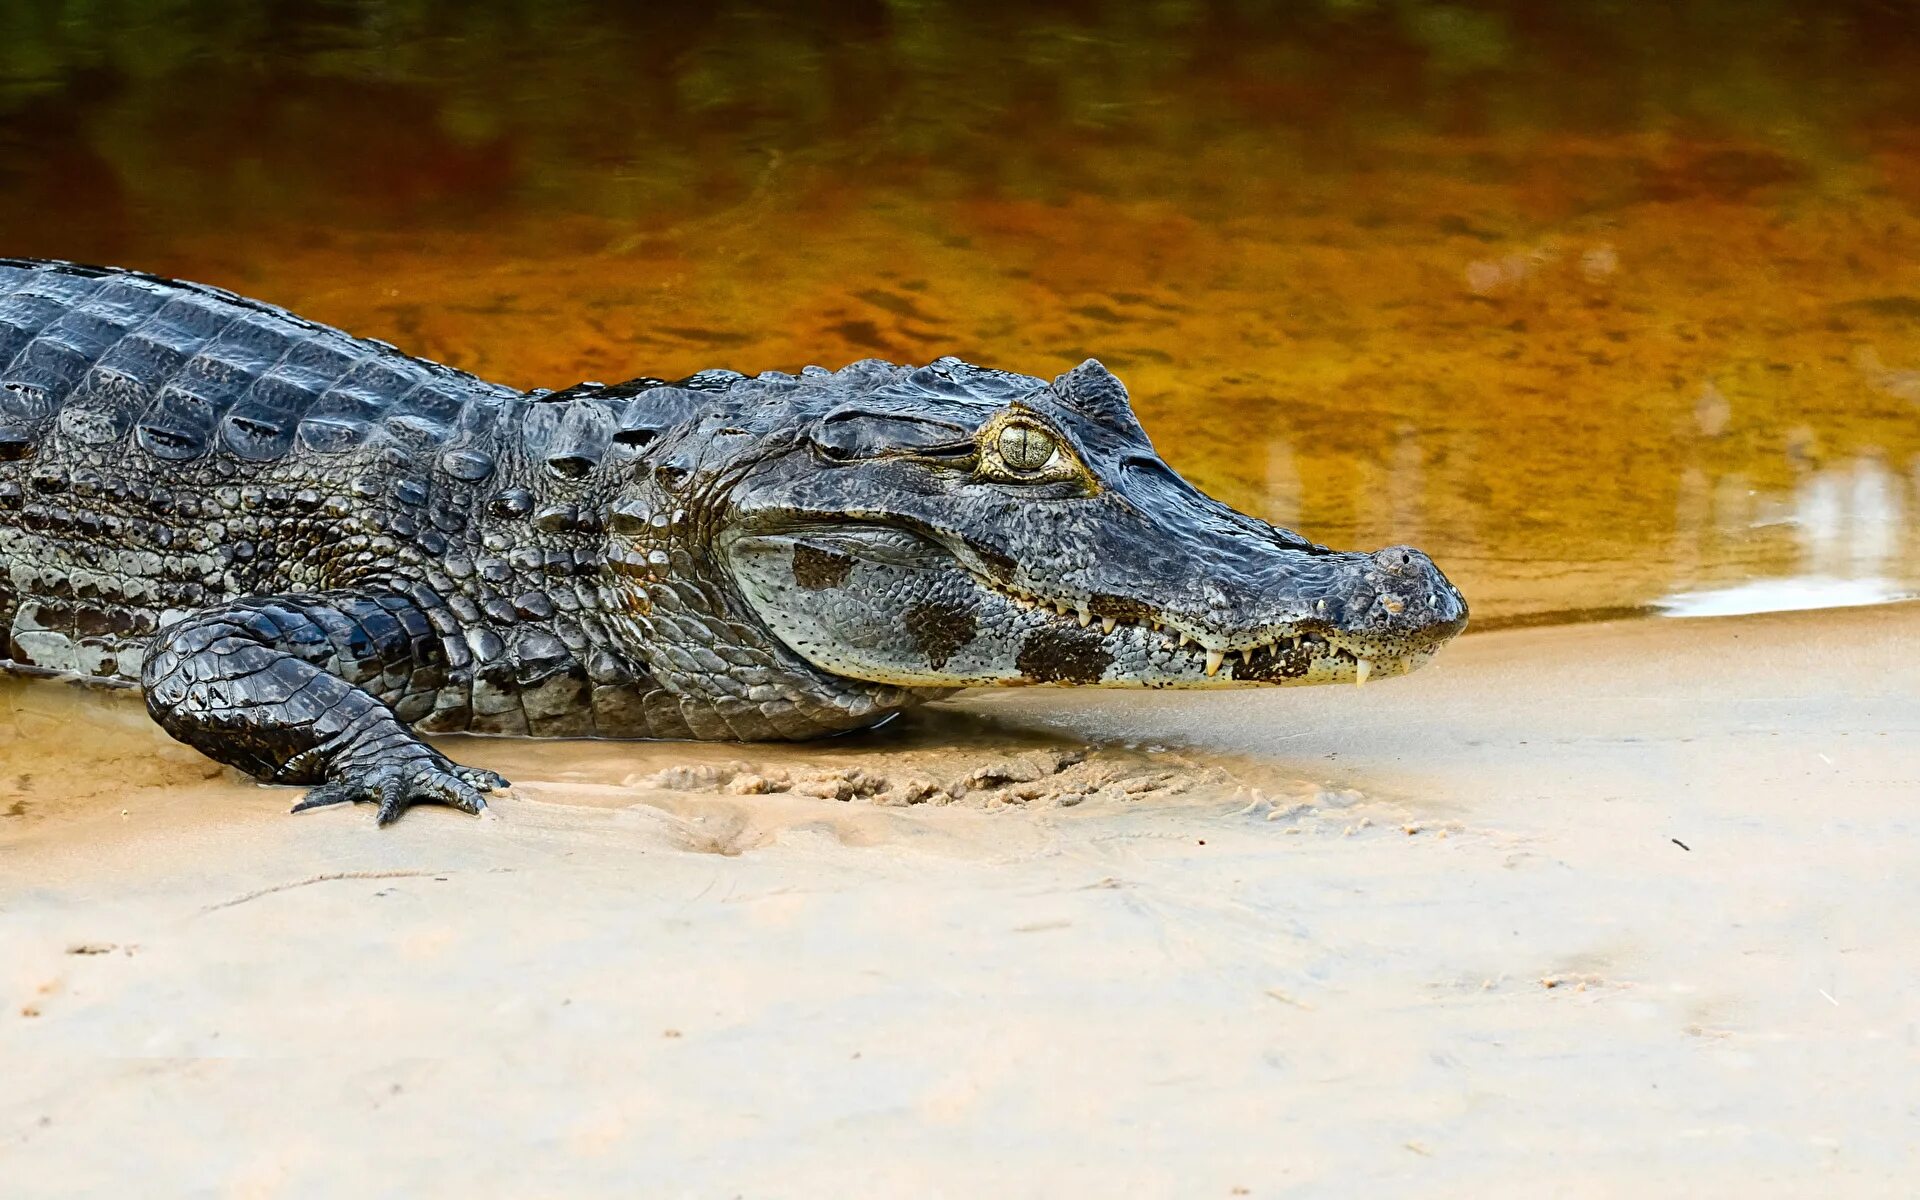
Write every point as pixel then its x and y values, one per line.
pixel 1274 657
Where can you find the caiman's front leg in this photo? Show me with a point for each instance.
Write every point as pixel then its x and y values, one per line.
pixel 302 689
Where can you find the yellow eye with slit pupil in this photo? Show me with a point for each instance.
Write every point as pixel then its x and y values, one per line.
pixel 1025 448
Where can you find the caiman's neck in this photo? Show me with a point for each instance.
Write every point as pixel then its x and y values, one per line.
pixel 729 677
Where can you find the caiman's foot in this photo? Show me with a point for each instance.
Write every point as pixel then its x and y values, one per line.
pixel 396 787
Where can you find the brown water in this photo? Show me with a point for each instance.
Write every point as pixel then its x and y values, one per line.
pixel 1607 309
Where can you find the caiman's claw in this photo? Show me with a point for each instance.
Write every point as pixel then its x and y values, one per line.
pixel 395 788
pixel 482 779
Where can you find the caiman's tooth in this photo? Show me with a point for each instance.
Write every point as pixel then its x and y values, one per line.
pixel 1184 639
pixel 1085 617
pixel 1214 659
pixel 1107 624
pixel 1362 669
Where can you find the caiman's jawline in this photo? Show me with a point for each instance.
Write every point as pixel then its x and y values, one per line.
pixel 1252 659
pixel 1237 657
pixel 900 605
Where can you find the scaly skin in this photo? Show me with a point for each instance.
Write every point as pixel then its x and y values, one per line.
pixel 305 546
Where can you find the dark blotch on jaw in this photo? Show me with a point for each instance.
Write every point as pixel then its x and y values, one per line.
pixel 939 630
pixel 1063 656
pixel 1105 604
pixel 999 565
pixel 817 570
pixel 1291 662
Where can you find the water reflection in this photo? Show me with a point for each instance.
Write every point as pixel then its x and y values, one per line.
pixel 1849 529
pixel 1782 595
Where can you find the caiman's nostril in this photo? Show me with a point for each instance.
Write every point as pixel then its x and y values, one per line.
pixel 1394 558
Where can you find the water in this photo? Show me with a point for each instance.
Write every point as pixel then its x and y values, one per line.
pixel 1612 311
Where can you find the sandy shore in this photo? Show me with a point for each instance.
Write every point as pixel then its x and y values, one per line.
pixel 1577 911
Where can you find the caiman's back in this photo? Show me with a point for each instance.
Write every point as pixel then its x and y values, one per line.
pixel 165 446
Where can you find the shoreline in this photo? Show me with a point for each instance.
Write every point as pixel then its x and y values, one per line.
pixel 1664 866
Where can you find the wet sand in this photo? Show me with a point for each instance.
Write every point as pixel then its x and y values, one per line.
pixel 1578 910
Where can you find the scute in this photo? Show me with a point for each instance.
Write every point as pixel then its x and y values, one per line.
pixel 331 435
pixel 653 413
pixel 188 370
pixel 102 409
pixel 585 433
pixel 256 433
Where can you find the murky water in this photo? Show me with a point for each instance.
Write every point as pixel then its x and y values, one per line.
pixel 1610 310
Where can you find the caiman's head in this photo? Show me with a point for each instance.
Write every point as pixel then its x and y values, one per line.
pixel 950 526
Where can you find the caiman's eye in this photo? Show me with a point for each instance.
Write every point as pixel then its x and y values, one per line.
pixel 1016 448
pixel 1025 448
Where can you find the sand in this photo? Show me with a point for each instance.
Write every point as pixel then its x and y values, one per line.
pixel 1578 911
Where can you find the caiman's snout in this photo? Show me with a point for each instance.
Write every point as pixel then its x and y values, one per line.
pixel 1411 583
pixel 1399 598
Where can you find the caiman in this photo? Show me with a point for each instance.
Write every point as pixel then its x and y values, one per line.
pixel 308 548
